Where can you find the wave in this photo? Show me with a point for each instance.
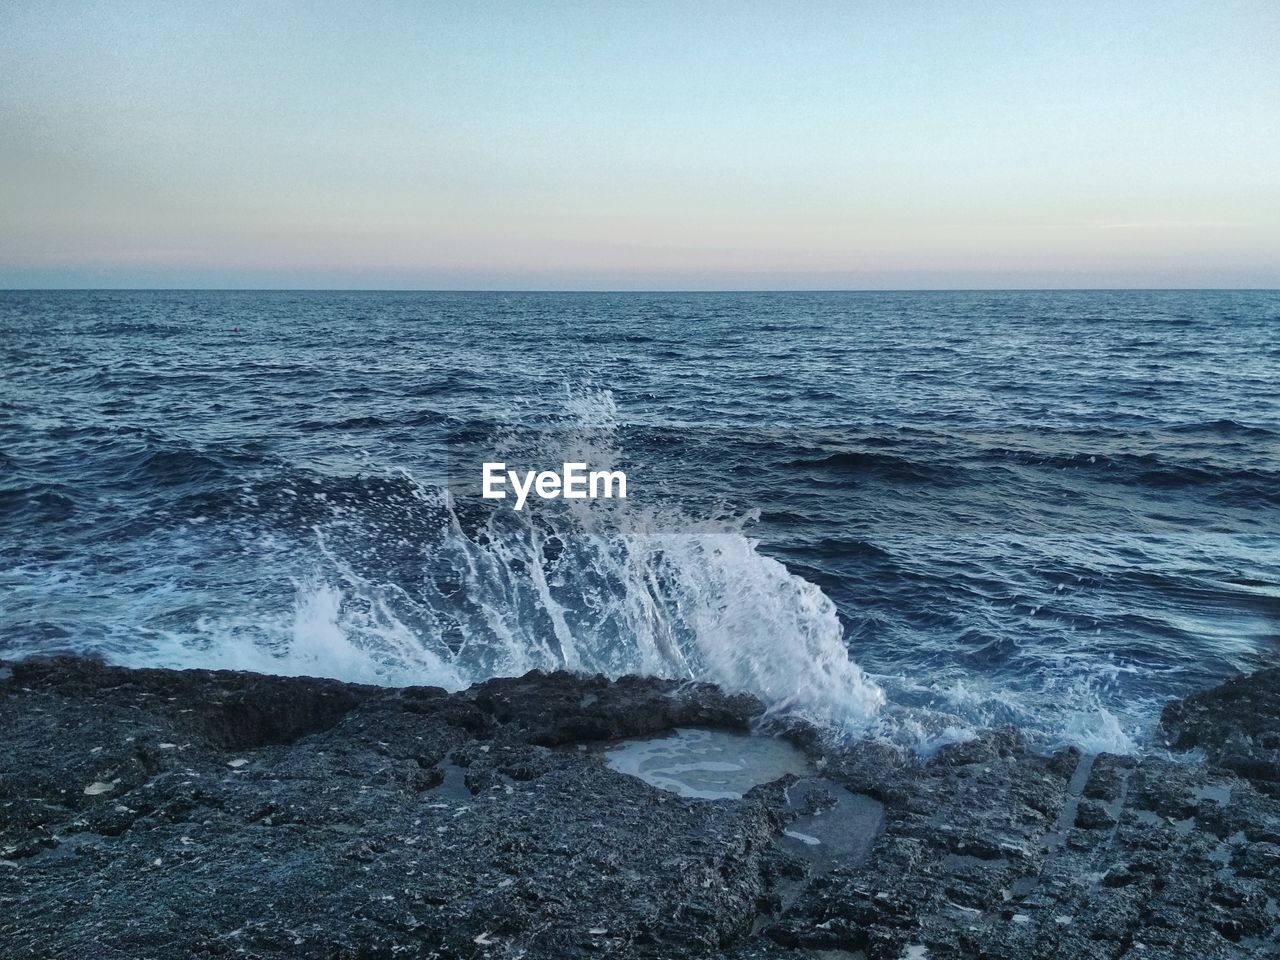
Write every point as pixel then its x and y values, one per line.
pixel 1222 427
pixel 880 465
pixel 413 586
pixel 1150 470
pixel 38 503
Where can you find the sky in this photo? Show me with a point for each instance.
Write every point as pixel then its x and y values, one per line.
pixel 657 145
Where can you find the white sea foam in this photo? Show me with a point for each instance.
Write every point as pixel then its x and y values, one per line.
pixel 577 585
pixel 703 605
pixel 1098 730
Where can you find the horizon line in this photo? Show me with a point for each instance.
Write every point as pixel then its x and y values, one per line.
pixel 640 290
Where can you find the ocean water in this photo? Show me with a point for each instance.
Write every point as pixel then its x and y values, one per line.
pixel 908 514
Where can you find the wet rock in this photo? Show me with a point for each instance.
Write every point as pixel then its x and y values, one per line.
pixel 558 708
pixel 1093 815
pixel 1237 724
pixel 291 817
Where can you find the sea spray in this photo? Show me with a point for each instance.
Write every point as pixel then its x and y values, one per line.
pixel 422 585
pixel 589 586
pixel 522 594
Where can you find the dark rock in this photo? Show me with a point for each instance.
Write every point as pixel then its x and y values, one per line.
pixel 163 814
pixel 1237 724
pixel 1093 815
pixel 557 708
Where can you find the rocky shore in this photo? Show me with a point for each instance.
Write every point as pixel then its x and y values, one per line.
pixel 157 814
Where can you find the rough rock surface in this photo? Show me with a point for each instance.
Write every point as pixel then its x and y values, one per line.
pixel 1237 724
pixel 156 814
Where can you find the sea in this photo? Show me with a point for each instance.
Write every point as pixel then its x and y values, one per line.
pixel 909 515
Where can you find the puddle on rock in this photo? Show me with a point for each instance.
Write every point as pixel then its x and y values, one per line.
pixel 835 828
pixel 453 783
pixel 707 764
pixel 832 826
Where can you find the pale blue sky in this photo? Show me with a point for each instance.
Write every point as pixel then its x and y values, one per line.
pixel 640 146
